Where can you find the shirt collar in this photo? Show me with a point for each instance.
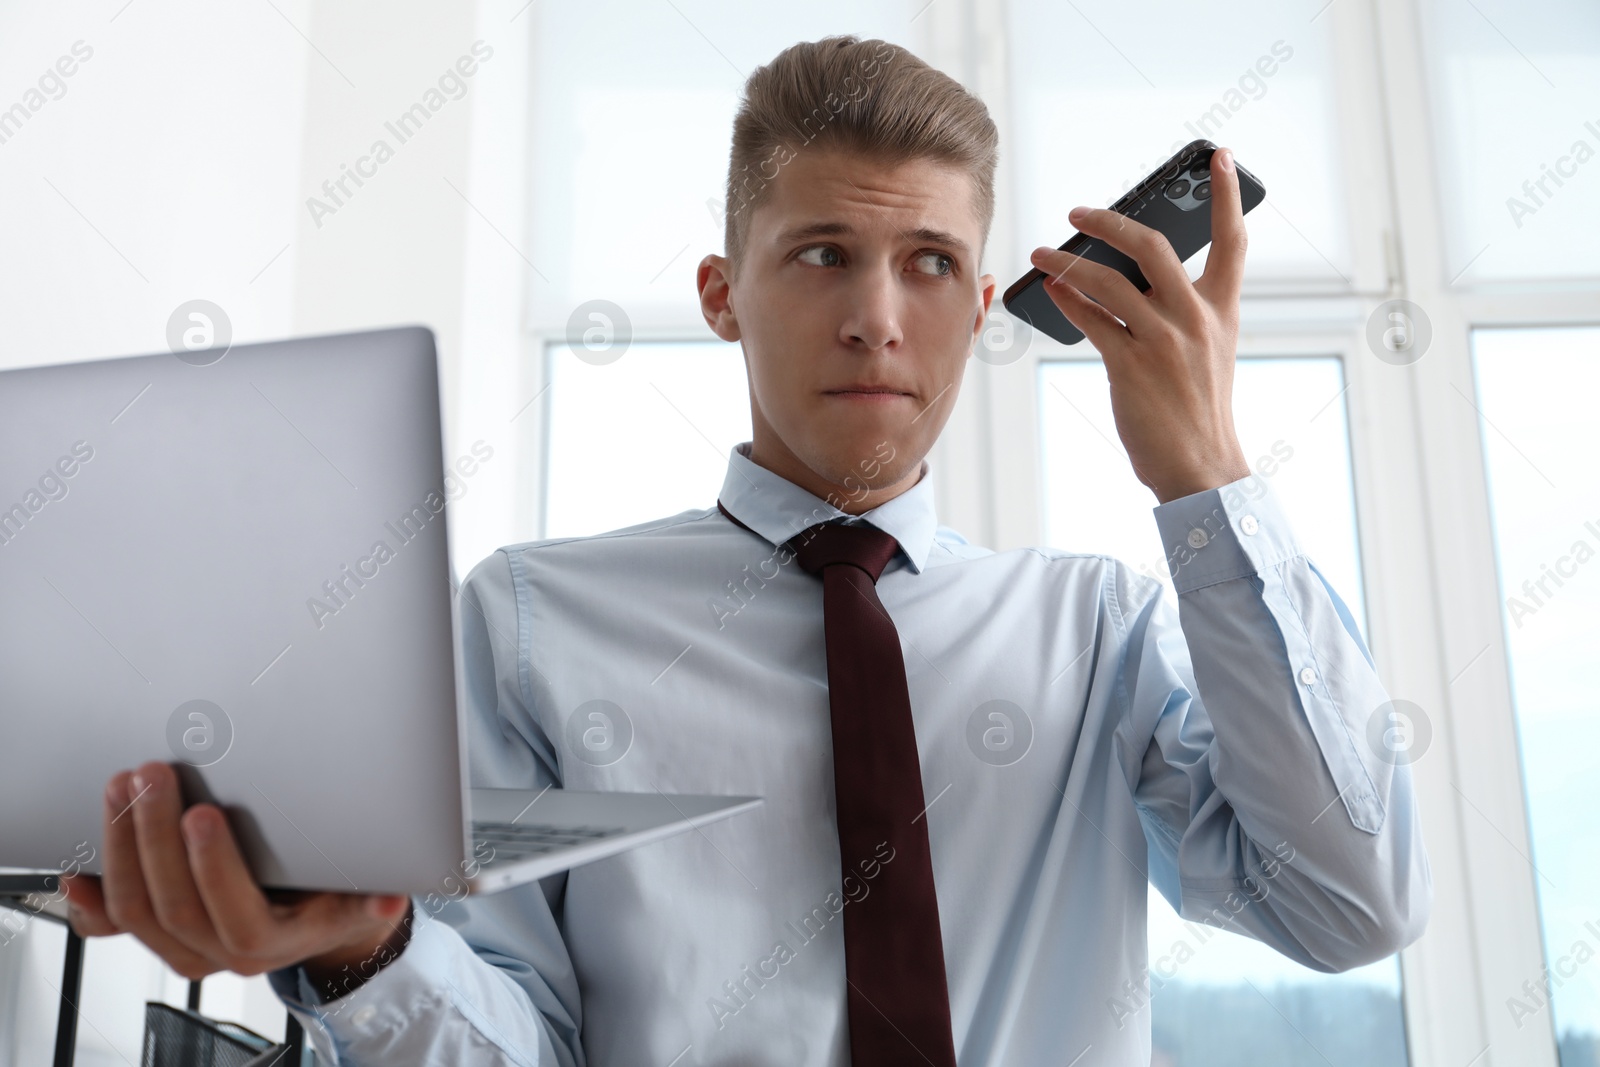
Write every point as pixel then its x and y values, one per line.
pixel 778 509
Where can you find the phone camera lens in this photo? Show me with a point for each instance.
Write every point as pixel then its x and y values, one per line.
pixel 1177 189
pixel 1199 170
pixel 1203 191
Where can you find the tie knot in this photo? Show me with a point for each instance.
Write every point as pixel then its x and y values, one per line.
pixel 858 544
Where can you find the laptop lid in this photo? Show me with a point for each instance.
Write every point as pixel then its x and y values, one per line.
pixel 239 563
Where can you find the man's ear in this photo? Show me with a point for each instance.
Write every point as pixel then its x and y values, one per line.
pixel 713 277
pixel 985 299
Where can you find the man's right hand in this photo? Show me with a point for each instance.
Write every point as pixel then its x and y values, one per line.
pixel 177 881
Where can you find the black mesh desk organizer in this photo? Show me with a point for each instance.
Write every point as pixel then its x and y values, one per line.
pixel 174 1037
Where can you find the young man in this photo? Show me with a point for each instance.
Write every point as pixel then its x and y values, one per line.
pixel 973 761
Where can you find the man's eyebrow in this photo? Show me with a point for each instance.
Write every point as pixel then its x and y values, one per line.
pixel 917 235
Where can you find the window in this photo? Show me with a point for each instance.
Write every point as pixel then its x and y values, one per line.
pixel 1101 99
pixel 631 160
pixel 1536 394
pixel 1389 137
pixel 690 401
pixel 1440 151
pixel 1514 88
pixel 633 107
pixel 1227 999
pixel 1290 416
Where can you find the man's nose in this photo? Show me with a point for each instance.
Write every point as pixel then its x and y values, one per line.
pixel 875 316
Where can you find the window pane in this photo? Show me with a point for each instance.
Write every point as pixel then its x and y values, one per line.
pixel 689 401
pixel 633 112
pixel 1536 390
pixel 1513 91
pixel 1104 92
pixel 1219 999
pixel 1290 417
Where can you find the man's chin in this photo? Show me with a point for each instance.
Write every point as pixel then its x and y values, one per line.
pixel 858 462
pixel 860 449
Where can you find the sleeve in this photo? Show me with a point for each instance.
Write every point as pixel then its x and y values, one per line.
pixel 1255 736
pixel 483 980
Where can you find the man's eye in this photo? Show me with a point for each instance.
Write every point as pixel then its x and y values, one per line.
pixel 948 267
pixel 823 251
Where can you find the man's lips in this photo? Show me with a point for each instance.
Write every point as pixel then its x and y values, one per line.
pixel 874 394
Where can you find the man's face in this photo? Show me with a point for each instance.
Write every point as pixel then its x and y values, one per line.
pixel 855 274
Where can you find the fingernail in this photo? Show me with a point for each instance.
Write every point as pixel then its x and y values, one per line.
pixel 1042 252
pixel 1077 213
pixel 1225 159
pixel 115 796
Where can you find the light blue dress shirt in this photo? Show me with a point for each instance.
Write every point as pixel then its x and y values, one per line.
pixel 1077 737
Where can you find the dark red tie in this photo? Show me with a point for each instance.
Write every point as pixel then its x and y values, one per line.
pixel 894 955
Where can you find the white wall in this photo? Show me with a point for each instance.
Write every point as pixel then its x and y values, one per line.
pixel 175 163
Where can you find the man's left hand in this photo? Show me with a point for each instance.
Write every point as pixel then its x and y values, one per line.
pixel 1170 358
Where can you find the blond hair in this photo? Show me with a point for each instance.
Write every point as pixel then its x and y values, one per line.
pixel 868 97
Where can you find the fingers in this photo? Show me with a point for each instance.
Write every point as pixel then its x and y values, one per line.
pixel 224 882
pixel 257 935
pixel 246 926
pixel 86 907
pixel 178 882
pixel 165 861
pixel 1224 273
pixel 122 884
pixel 1115 293
pixel 1147 247
pixel 1098 325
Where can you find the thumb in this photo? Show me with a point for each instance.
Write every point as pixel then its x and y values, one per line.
pixel 387 906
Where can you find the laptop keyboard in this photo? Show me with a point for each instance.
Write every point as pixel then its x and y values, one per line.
pixel 518 841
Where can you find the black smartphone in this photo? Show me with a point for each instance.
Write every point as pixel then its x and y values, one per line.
pixel 1174 199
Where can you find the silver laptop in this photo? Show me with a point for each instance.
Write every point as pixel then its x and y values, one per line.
pixel 190 571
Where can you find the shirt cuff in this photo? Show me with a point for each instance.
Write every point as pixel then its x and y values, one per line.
pixel 383 1004
pixel 1232 531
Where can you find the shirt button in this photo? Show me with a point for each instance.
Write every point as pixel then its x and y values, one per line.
pixel 1249 524
pixel 1198 538
pixel 364 1015
pixel 1308 676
